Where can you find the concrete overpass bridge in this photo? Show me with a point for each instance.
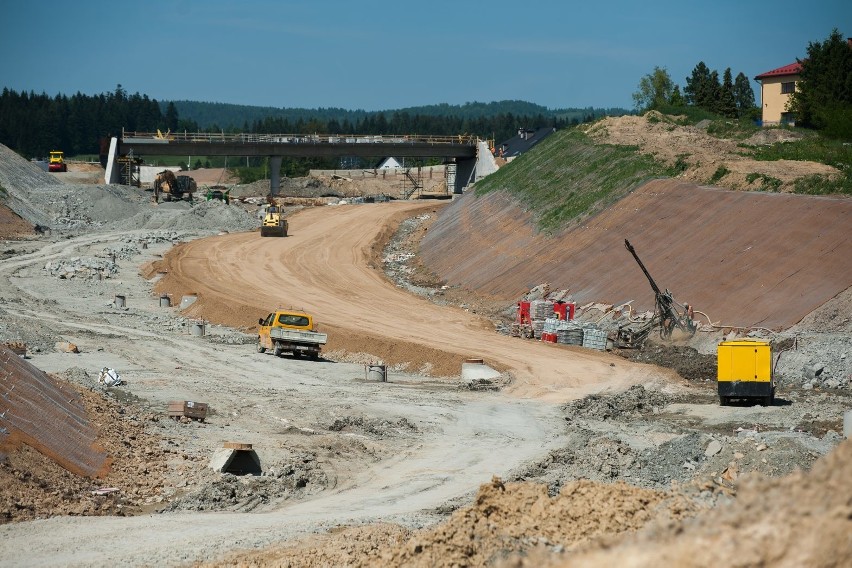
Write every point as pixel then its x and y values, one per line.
pixel 464 151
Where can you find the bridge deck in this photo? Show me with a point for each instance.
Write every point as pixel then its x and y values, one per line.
pixel 298 145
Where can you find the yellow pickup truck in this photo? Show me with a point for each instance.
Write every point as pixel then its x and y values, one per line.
pixel 290 331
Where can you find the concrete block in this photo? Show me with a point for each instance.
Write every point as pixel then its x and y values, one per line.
pixel 220 459
pixel 713 448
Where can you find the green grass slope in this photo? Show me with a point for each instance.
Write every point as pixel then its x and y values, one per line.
pixel 567 178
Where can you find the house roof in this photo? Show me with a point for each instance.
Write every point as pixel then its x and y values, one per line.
pixel 790 69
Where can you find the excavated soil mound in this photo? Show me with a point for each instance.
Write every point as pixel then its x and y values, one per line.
pixel 804 519
pixel 737 256
pixel 703 154
pixel 12 226
pixel 505 519
pixel 37 474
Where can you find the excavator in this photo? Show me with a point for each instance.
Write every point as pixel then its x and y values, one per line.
pixel 666 315
pixel 173 187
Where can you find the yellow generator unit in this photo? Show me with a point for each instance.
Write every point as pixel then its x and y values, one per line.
pixel 744 370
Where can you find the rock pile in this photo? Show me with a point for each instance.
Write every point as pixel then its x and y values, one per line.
pixel 42 200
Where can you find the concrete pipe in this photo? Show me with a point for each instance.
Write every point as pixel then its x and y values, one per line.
pixel 377 373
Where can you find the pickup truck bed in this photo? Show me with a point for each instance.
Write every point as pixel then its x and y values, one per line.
pixel 297 342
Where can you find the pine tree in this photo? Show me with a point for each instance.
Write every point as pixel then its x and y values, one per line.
pixel 727 102
pixel 676 99
pixel 695 91
pixel 743 96
pixel 823 98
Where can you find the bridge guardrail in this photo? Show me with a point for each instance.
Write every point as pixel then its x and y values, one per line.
pixel 248 138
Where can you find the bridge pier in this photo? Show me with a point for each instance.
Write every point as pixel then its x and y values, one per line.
pixel 465 169
pixel 274 175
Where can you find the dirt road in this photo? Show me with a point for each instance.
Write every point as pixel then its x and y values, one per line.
pixel 453 440
pixel 327 267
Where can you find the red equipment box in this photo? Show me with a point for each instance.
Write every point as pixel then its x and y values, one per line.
pixel 565 310
pixel 524 312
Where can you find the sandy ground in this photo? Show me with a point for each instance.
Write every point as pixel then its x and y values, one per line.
pixel 324 267
pixel 283 406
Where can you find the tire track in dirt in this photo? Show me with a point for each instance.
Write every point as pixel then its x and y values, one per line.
pixel 326 267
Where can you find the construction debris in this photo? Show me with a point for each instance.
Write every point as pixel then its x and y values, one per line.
pixel 188 409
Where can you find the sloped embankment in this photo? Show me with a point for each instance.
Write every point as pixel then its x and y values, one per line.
pixel 740 257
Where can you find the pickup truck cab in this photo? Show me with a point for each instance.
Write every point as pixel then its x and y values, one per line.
pixel 290 331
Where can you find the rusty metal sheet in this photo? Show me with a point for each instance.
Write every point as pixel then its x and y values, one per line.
pixel 48 416
pixel 747 259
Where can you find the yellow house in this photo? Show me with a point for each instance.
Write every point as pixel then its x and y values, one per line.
pixel 776 86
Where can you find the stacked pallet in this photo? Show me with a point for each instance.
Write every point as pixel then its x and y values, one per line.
pixel 541 309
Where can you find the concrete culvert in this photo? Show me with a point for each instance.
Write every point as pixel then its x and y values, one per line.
pixel 236 459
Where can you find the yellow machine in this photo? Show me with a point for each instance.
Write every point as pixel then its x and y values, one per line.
pixel 171 186
pixel 274 224
pixel 744 370
pixel 57 162
pixel 290 330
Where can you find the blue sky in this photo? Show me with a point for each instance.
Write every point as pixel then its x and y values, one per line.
pixel 376 54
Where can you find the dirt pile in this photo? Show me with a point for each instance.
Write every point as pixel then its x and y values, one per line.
pixel 506 519
pixel 12 226
pixel 42 200
pixel 293 478
pixel 686 361
pixel 35 486
pixel 634 402
pixel 701 156
pixel 804 519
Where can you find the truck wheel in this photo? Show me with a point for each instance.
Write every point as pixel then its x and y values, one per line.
pixel 277 351
pixel 315 356
pixel 260 348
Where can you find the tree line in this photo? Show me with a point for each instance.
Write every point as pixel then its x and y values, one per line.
pixel 34 124
pixel 822 99
pixel 730 97
pixel 225 116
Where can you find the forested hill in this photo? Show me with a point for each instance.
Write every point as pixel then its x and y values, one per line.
pixel 230 116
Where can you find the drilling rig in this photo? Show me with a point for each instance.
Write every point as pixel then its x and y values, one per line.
pixel 668 315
